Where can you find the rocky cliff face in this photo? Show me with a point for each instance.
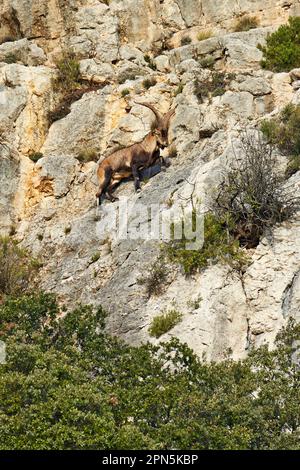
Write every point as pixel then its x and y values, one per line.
pixel 51 204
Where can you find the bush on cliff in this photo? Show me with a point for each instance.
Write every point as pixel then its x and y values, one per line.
pixel 282 49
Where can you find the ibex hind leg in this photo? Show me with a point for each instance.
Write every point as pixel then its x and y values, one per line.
pixel 104 176
pixel 110 189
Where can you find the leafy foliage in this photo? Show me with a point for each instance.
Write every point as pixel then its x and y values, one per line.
pixel 69 385
pixel 283 132
pixel 219 246
pixel 282 49
pixel 16 268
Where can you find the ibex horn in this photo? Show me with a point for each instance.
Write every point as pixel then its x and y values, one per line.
pixel 158 116
pixel 167 117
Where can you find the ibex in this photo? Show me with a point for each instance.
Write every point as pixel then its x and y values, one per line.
pixel 128 161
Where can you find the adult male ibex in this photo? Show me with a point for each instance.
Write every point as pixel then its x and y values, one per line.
pixel 128 161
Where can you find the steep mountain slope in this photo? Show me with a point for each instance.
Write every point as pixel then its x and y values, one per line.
pixel 50 205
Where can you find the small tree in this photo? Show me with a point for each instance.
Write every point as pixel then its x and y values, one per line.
pixel 252 193
pixel 282 50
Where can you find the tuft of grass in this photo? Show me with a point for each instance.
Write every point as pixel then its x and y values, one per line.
pixel 204 35
pixel 161 324
pixel 178 90
pixel 207 62
pixel 87 155
pixel 125 92
pixel 246 23
pixel 149 82
pixel 185 40
pixel 215 86
pixel 219 91
pixel 17 268
pixel 11 58
pixel 67 230
pixel 127 76
pixel 95 257
pixel 195 304
pixel 68 73
pixel 40 237
pixel 150 62
pixel 35 156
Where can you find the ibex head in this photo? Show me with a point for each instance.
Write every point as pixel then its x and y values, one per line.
pixel 161 125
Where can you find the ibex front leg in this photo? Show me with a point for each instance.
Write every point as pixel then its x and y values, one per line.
pixel 135 173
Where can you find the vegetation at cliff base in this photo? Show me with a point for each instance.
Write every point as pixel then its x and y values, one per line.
pixel 282 49
pixel 67 384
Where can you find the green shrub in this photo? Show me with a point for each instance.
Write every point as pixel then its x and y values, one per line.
pixel 11 58
pixel 35 156
pixel 161 324
pixel 95 257
pixel 215 86
pixel 282 49
pixel 67 230
pixel 128 75
pixel 68 73
pixel 16 268
pixel 178 90
pixel 125 92
pixel 204 35
pixel 219 91
pixel 219 246
pixel 207 62
pixel 150 62
pixel 185 40
pixel 149 82
pixel 246 23
pixel 88 155
pixel 284 132
pixel 155 279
